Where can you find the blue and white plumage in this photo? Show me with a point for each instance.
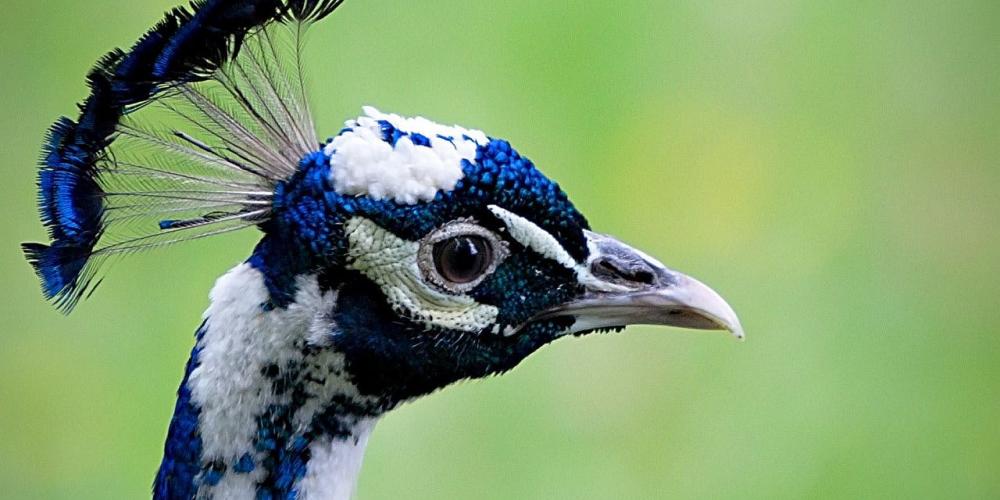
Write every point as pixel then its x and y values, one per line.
pixel 397 257
pixel 420 159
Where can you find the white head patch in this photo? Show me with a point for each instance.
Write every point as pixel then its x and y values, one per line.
pixel 407 160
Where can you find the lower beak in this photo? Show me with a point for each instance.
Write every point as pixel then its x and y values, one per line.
pixel 624 286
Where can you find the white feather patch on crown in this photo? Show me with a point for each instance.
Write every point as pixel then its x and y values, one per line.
pixel 363 163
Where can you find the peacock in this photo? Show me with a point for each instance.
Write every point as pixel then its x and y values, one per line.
pixel 397 257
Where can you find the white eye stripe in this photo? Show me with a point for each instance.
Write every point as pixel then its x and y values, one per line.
pixel 529 235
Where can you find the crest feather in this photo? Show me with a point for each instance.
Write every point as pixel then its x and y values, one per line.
pixel 184 136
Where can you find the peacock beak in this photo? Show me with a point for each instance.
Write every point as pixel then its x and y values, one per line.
pixel 624 286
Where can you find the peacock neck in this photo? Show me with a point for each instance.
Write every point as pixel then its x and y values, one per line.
pixel 266 409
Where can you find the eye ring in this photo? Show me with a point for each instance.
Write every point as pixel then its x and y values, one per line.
pixel 472 251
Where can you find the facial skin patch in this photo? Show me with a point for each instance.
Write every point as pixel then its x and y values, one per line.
pixel 407 160
pixel 391 263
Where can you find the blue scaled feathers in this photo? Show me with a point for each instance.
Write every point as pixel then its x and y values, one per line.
pixel 188 45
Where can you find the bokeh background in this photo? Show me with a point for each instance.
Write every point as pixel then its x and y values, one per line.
pixel 833 168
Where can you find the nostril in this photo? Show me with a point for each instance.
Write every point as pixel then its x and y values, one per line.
pixel 631 271
pixel 606 265
pixel 644 277
pixel 609 268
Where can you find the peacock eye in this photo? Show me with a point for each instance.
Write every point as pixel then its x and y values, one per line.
pixel 459 256
pixel 463 259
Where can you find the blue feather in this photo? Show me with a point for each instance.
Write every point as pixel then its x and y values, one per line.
pixel 182 454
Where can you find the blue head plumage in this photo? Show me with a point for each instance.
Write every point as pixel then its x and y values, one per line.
pixel 428 181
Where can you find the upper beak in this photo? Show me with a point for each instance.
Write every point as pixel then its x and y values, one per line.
pixel 624 286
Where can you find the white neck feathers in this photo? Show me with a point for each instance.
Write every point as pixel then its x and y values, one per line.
pixel 332 473
pixel 240 341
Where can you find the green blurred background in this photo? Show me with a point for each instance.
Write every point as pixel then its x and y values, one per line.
pixel 832 168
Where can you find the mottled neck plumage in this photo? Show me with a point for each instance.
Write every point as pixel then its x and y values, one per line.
pixel 266 409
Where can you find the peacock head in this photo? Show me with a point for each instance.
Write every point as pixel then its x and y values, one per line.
pixel 397 258
pixel 453 257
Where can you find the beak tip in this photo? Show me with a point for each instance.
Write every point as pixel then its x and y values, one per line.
pixel 733 326
pixel 738 334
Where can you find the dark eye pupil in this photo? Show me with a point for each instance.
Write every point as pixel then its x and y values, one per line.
pixel 463 259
